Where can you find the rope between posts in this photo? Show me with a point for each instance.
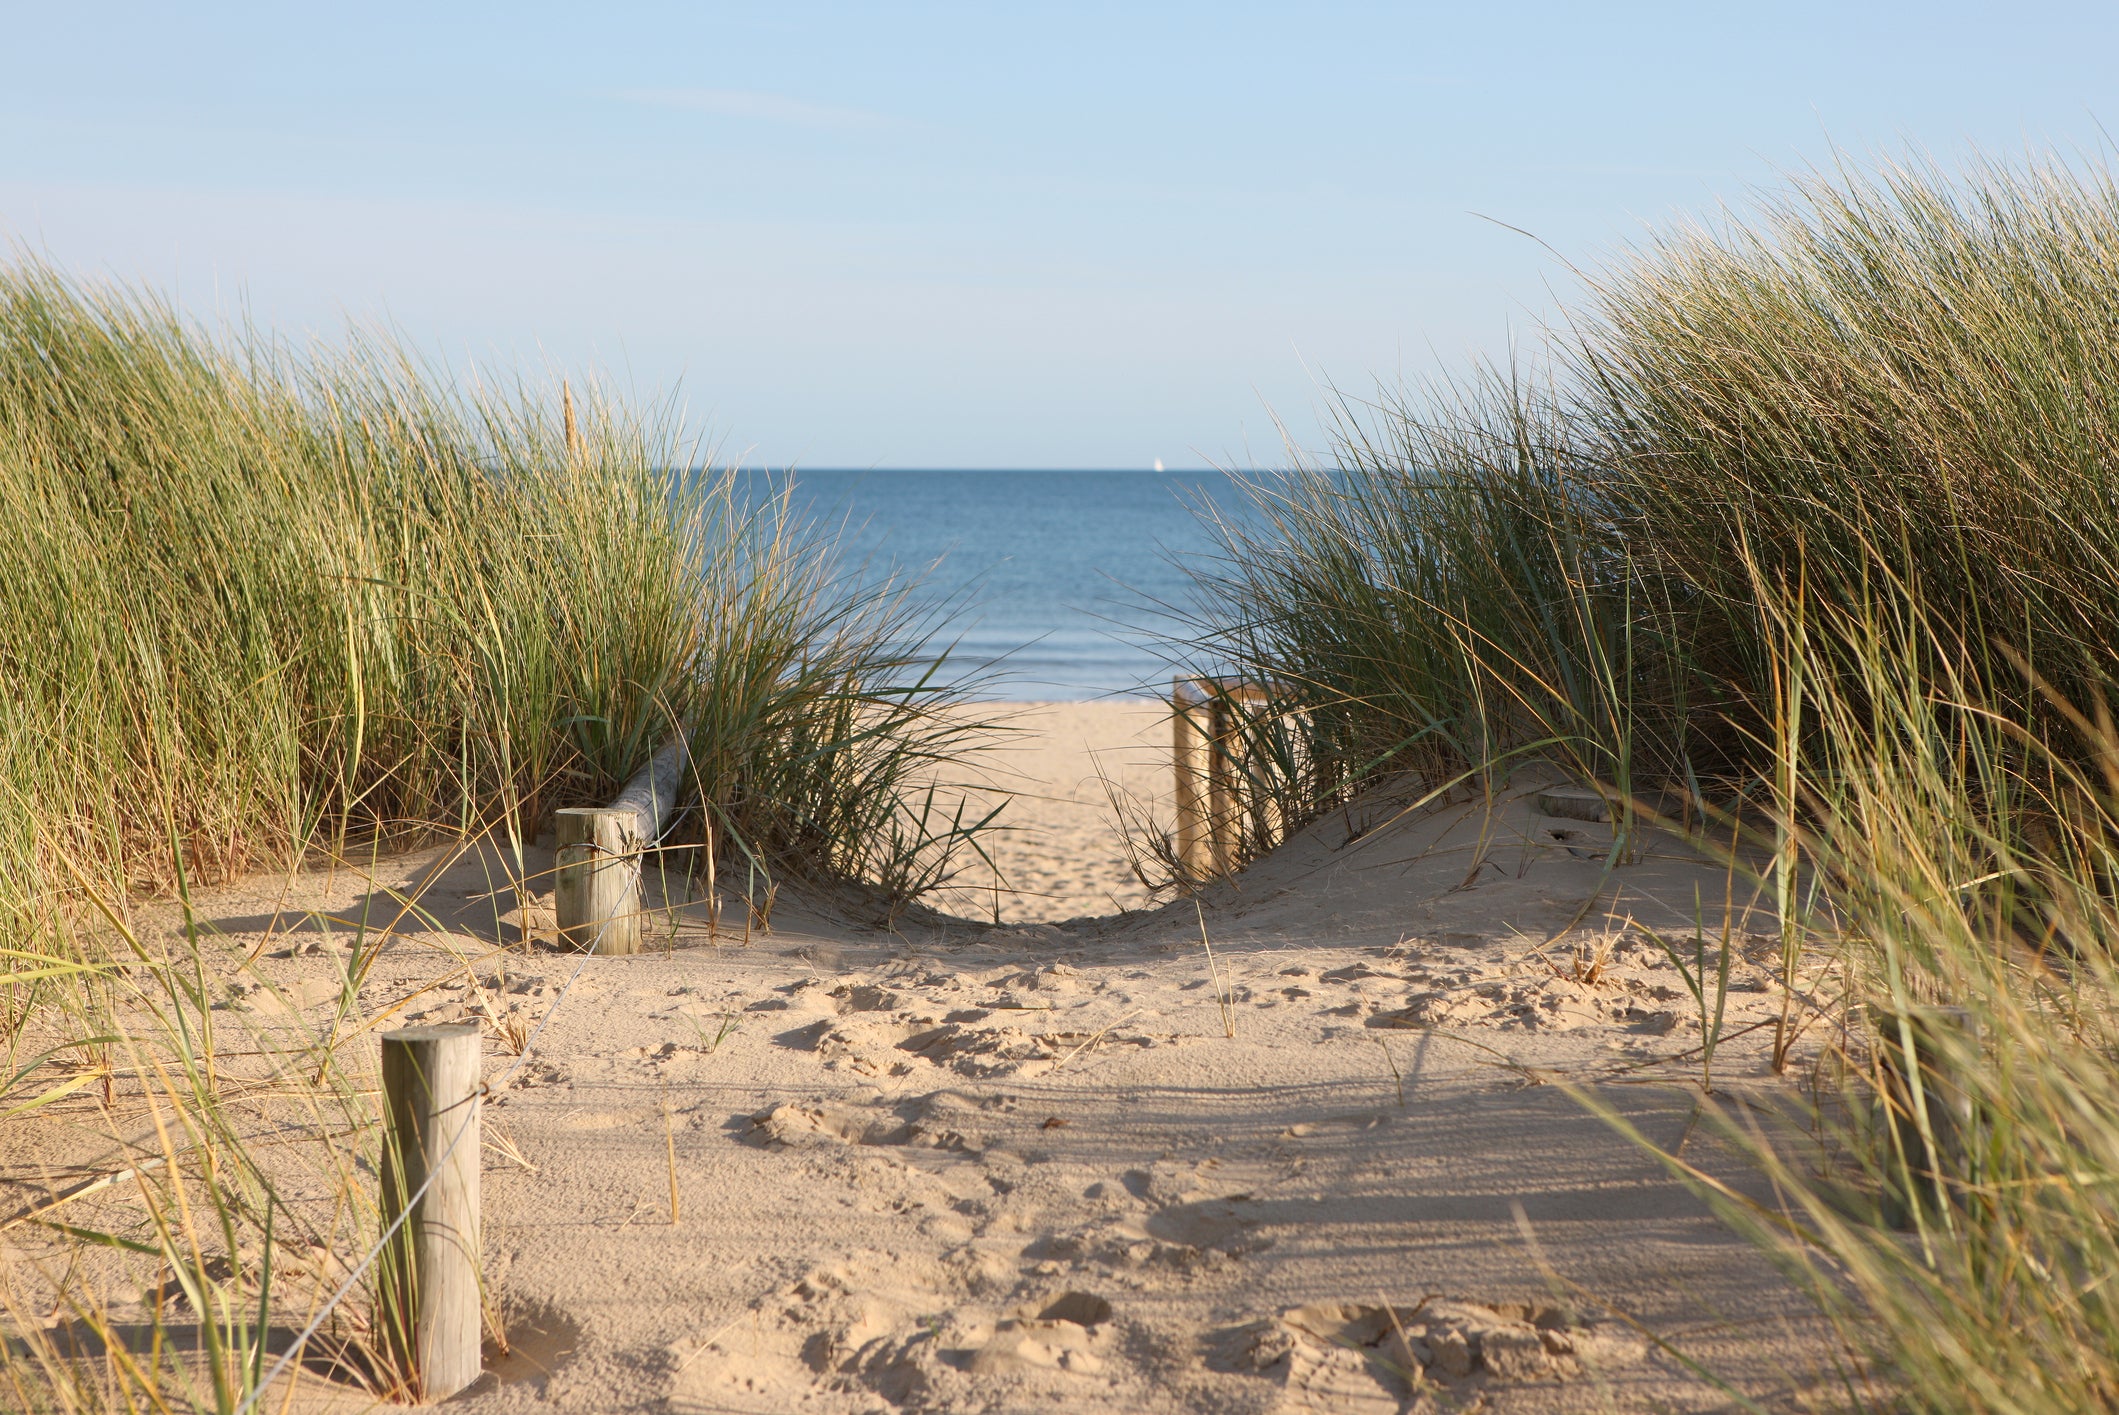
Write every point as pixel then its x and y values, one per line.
pixel 433 1171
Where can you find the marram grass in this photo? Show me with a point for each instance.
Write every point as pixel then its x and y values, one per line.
pixel 1810 522
pixel 262 606
pixel 255 602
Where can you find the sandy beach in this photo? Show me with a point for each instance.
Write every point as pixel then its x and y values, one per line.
pixel 1068 1166
pixel 897 710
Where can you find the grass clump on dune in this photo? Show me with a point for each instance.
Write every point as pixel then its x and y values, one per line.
pixel 1901 380
pixel 1810 524
pixel 258 602
pixel 1906 379
pixel 1442 601
pixel 262 606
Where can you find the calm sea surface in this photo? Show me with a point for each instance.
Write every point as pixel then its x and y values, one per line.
pixel 1054 571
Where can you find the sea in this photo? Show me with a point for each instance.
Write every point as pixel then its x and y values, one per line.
pixel 1051 585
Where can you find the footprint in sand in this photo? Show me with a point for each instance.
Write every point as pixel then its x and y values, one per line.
pixel 937 1122
pixel 1063 1336
pixel 1345 1356
pixel 894 1328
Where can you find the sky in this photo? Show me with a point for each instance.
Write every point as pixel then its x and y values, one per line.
pixel 977 235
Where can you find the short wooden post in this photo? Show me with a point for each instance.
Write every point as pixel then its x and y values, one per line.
pixel 1211 745
pixel 596 868
pixel 1228 770
pixel 596 879
pixel 1191 732
pixel 430 1312
pixel 1222 795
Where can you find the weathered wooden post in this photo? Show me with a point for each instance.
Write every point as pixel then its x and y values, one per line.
pixel 1191 732
pixel 596 874
pixel 1211 748
pixel 430 1312
pixel 1221 800
pixel 1228 768
pixel 596 879
pixel 1223 797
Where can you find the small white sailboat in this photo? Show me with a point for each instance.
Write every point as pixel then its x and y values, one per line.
pixel 1158 464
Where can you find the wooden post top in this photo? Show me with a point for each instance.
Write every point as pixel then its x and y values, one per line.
pixel 1195 691
pixel 432 1032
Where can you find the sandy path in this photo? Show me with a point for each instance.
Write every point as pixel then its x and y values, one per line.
pixel 961 1167
pixel 1058 855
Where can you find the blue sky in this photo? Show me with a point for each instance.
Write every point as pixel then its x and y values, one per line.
pixel 967 235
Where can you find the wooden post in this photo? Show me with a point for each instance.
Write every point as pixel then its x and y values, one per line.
pixel 1222 798
pixel 1228 769
pixel 1191 730
pixel 596 879
pixel 596 869
pixel 1210 748
pixel 430 1312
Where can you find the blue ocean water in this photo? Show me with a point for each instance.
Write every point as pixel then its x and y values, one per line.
pixel 1053 575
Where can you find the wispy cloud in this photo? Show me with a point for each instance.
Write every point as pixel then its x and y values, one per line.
pixel 761 107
